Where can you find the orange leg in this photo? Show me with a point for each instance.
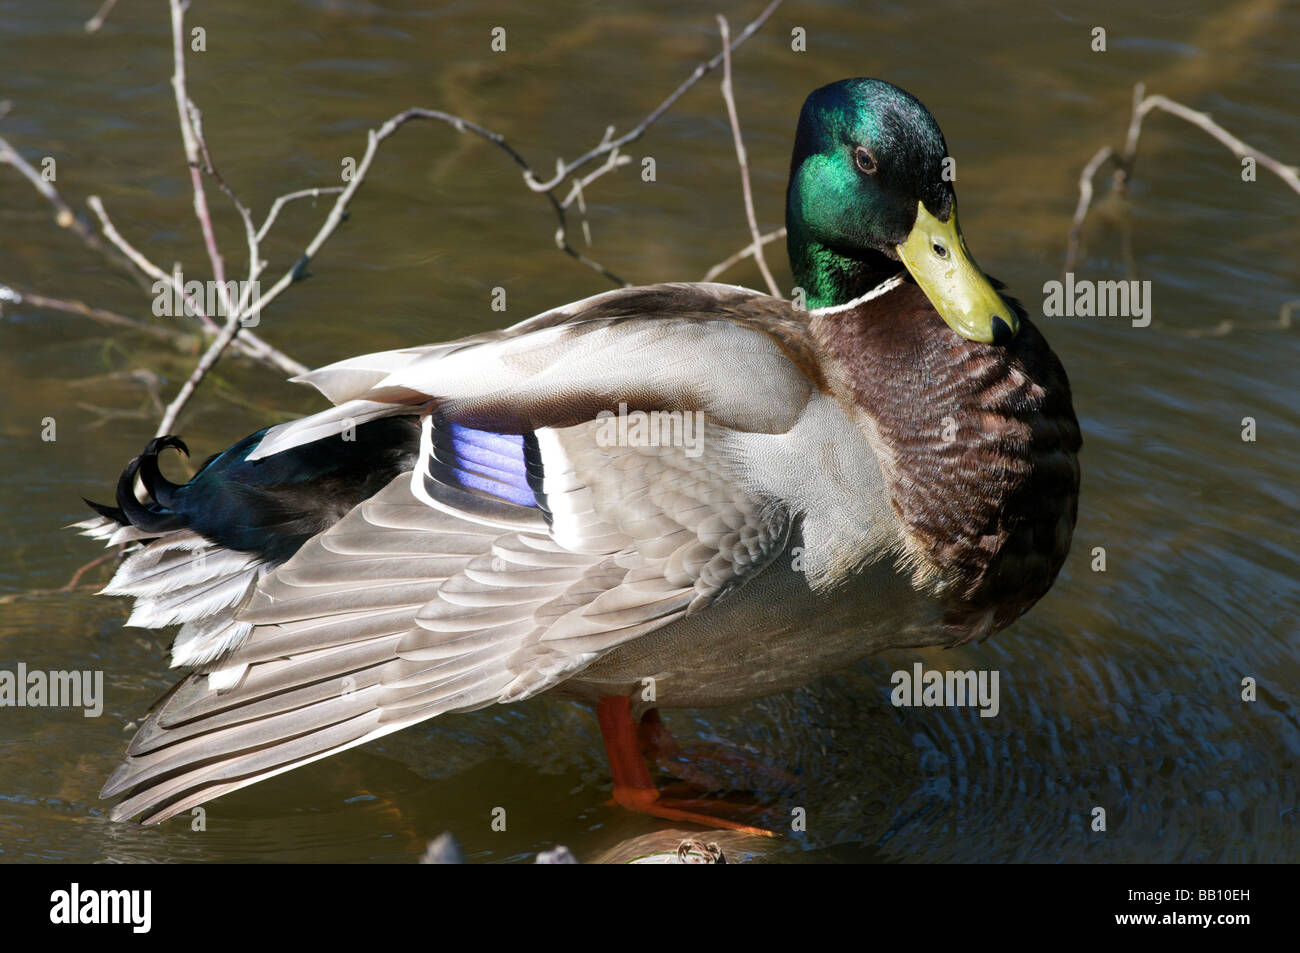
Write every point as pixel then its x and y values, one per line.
pixel 708 765
pixel 633 787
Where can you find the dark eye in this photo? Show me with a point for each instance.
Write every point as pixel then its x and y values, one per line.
pixel 864 160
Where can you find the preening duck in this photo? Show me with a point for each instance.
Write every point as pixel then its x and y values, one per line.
pixel 692 486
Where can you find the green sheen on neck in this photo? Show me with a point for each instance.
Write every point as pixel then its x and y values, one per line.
pixel 830 279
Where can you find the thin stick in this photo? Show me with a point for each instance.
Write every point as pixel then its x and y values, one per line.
pixel 576 194
pixel 236 313
pixel 180 340
pixel 234 321
pixel 190 141
pixel 206 363
pixel 1142 106
pixel 251 344
pixel 1124 166
pixel 1085 202
pixel 373 140
pixel 1287 173
pixel 195 146
pixel 288 197
pixel 563 169
pixel 742 159
pixel 741 255
pixel 97 21
pixel 70 585
pixel 200 163
pixel 64 216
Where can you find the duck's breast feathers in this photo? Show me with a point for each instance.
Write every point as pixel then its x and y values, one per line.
pixel 978 443
pixel 743 358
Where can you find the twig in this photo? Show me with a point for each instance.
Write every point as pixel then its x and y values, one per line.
pixel 742 159
pixel 179 339
pixel 251 235
pixel 744 253
pixel 251 344
pixel 1085 202
pixel 196 150
pixel 70 585
pixel 191 131
pixel 1142 106
pixel 97 21
pixel 608 144
pixel 206 363
pixel 1287 173
pixel 137 265
pixel 234 319
pixel 576 193
pixel 199 160
pixel 190 140
pixel 144 264
pixel 374 138
pixel 1124 161
pixel 285 199
pixel 64 216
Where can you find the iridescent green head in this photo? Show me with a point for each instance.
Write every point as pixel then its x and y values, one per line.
pixel 871 193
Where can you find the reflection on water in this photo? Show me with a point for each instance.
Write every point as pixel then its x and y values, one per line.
pixel 1122 689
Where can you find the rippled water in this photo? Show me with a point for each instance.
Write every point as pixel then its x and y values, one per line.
pixel 1121 689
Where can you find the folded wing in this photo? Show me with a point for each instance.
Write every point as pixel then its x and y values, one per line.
pixel 531 537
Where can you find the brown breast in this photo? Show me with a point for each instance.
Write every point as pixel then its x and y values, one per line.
pixel 979 447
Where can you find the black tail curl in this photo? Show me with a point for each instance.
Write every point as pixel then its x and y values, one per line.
pixel 271 506
pixel 154 515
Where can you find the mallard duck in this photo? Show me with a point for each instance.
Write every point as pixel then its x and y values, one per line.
pixel 670 496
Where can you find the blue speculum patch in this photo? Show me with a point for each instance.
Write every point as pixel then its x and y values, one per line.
pixel 492 463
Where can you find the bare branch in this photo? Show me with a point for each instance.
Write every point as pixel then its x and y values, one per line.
pixel 199 159
pixel 191 140
pixel 252 345
pixel 1125 161
pixel 744 253
pixel 576 194
pixel 742 159
pixel 608 144
pixel 1085 202
pixel 97 21
pixel 374 138
pixel 182 341
pixel 64 216
pixel 285 199
pixel 1287 173
pixel 206 363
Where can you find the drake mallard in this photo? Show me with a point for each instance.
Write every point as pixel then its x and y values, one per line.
pixel 694 487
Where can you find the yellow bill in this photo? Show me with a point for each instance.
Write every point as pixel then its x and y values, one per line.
pixel 937 258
